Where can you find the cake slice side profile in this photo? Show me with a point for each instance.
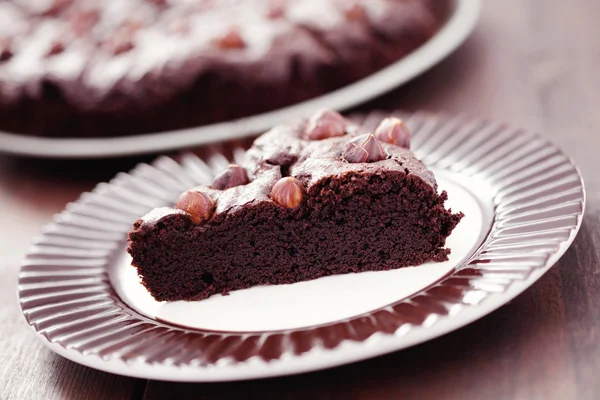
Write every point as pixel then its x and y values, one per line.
pixel 314 198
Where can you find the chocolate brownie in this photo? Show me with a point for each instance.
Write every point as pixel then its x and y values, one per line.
pixel 316 197
pixel 121 67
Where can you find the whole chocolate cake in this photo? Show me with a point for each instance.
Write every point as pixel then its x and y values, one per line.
pixel 120 67
pixel 314 198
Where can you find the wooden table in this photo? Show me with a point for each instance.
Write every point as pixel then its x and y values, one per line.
pixel 534 64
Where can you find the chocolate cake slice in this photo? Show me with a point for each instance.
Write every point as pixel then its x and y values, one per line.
pixel 314 198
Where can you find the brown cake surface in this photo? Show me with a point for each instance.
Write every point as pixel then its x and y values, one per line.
pixel 120 67
pixel 314 198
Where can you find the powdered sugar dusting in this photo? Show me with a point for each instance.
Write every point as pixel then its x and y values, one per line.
pixel 111 46
pixel 161 212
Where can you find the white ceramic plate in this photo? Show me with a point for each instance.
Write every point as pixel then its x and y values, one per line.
pixel 459 25
pixel 523 201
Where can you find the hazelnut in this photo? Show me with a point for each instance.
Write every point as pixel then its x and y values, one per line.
pixel 199 205
pixel 121 40
pixel 364 148
pixel 276 12
pixel 288 192
pixel 54 7
pixel 179 27
pixel 5 49
pixel 55 48
pixel 83 21
pixel 275 9
pixel 233 176
pixel 356 12
pixel 325 124
pixel 231 40
pixel 394 131
pixel 132 25
pixel 119 43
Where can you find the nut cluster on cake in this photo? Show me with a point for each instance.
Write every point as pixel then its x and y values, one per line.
pixel 289 191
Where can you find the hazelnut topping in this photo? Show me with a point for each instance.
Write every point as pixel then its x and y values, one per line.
pixel 54 7
pixel 233 176
pixel 119 43
pixel 179 27
pixel 199 205
pixel 55 48
pixel 83 21
pixel 5 51
pixel 325 124
pixel 356 12
pixel 394 131
pixel 231 40
pixel 276 12
pixel 121 40
pixel 275 9
pixel 288 192
pixel 364 148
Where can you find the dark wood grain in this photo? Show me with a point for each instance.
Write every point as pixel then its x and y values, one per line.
pixel 531 63
pixel 31 191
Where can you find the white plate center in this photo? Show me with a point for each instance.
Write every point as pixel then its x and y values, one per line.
pixel 323 300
